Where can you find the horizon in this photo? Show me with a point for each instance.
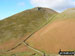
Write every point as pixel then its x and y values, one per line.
pixel 9 8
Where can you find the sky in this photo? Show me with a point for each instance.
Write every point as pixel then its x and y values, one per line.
pixel 11 7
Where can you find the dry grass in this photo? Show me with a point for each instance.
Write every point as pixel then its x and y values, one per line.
pixel 18 27
pixel 55 36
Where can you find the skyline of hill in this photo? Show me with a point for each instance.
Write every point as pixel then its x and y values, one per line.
pixel 17 28
pixel 59 34
pixel 37 31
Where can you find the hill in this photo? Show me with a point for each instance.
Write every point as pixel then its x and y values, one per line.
pixel 17 28
pixel 60 34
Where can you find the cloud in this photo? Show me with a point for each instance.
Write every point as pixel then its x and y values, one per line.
pixel 21 4
pixel 58 5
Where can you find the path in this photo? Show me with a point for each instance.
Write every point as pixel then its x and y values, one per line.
pixel 33 49
pixel 43 54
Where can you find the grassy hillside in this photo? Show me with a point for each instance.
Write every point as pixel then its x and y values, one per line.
pixel 60 34
pixel 18 27
pixel 67 14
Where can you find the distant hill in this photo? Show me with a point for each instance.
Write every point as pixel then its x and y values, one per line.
pixel 18 27
pixel 60 34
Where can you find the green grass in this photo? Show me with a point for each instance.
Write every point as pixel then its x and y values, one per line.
pixel 67 14
pixel 27 54
pixel 21 54
pixel 22 23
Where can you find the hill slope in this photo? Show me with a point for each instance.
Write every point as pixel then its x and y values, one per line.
pixel 18 27
pixel 60 34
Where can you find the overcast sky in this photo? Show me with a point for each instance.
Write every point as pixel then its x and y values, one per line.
pixel 10 7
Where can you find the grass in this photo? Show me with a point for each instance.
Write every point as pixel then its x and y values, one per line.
pixel 21 54
pixel 23 24
pixel 58 31
pixel 19 24
pixel 27 54
pixel 67 14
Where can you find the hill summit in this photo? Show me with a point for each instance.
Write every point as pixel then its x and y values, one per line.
pixel 18 27
pixel 60 34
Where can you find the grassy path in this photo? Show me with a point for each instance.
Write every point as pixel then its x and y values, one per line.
pixel 33 49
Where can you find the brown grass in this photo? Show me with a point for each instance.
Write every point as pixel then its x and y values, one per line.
pixel 55 36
